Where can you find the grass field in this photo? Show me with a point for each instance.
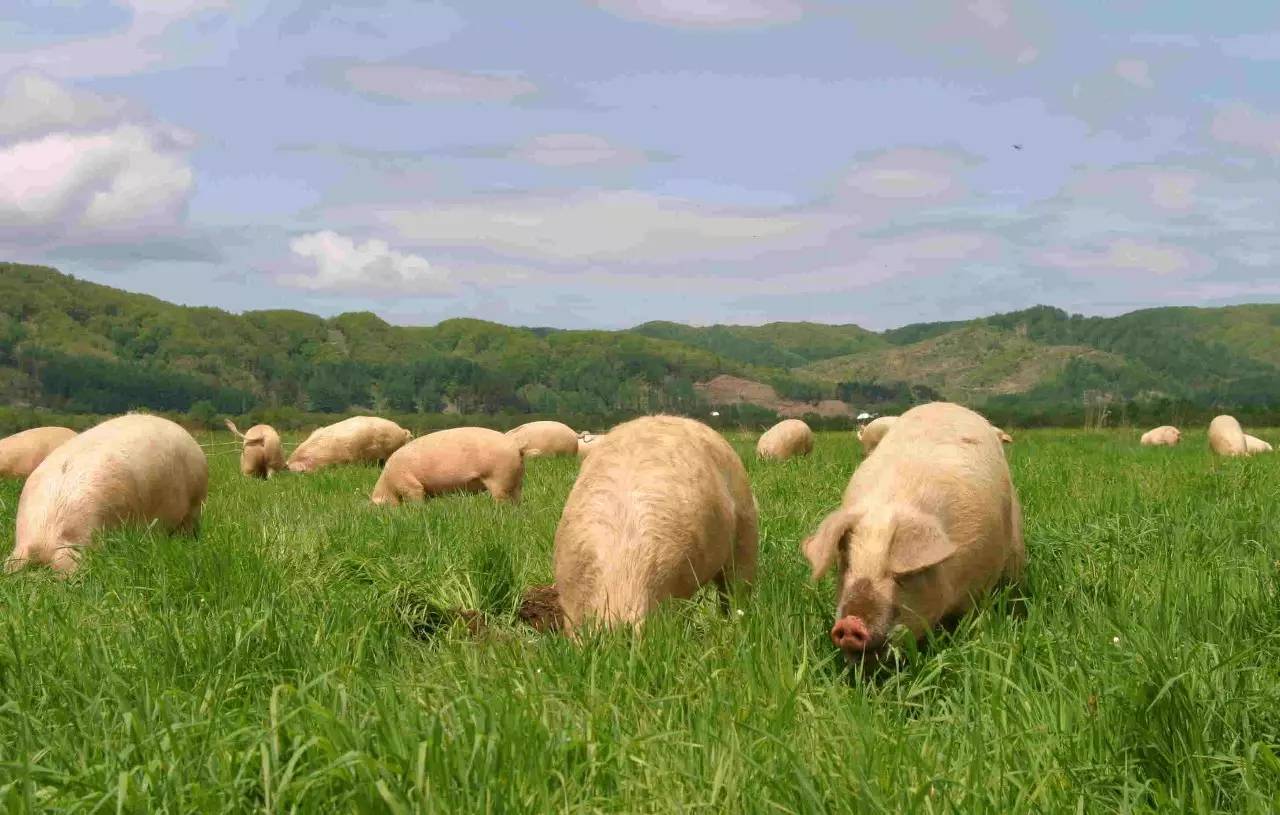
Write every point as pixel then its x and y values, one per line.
pixel 295 659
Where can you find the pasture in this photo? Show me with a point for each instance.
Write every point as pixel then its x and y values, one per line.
pixel 301 656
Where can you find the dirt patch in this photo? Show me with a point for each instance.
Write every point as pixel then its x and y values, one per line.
pixel 540 609
pixel 734 390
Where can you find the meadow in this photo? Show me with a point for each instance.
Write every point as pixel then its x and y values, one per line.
pixel 301 656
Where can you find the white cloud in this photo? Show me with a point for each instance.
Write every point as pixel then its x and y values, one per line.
pixel 1126 255
pixel 337 263
pixel 706 13
pixel 1245 126
pixel 574 149
pixel 411 83
pixel 1136 72
pixel 33 103
pixel 617 226
pixel 115 180
pixel 74 168
pixel 144 44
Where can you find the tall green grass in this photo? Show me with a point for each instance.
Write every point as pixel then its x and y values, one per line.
pixel 301 656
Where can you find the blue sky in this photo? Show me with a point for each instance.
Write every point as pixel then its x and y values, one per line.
pixel 599 163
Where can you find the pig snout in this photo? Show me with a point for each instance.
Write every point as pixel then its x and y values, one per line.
pixel 851 635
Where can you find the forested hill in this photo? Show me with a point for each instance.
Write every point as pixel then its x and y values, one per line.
pixel 78 346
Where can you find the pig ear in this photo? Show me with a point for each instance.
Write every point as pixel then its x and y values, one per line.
pixel 918 543
pixel 821 547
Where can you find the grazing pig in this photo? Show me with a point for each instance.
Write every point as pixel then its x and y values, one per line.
pixel 358 439
pixel 545 439
pixel 1253 444
pixel 874 432
pixel 463 459
pixel 588 442
pixel 131 469
pixel 1004 437
pixel 788 438
pixel 1165 435
pixel 927 524
pixel 659 509
pixel 262 455
pixel 1226 438
pixel 21 453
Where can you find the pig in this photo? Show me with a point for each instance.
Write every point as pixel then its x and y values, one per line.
pixel 262 455
pixel 588 442
pixel 358 439
pixel 545 439
pixel 927 524
pixel 1004 437
pixel 874 431
pixel 1163 436
pixel 1226 438
pixel 462 459
pixel 131 469
pixel 21 453
pixel 1253 444
pixel 788 438
pixel 660 508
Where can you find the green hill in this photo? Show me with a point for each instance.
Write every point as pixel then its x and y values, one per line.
pixel 81 347
pixel 778 345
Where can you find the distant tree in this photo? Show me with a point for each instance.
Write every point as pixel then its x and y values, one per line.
pixel 203 413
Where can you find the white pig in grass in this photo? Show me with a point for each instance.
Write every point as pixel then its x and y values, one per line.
pixel 874 431
pixel 262 455
pixel 786 439
pixel 545 438
pixel 1226 437
pixel 661 507
pixel 462 459
pixel 360 439
pixel 1165 435
pixel 131 469
pixel 1253 444
pixel 927 525
pixel 21 453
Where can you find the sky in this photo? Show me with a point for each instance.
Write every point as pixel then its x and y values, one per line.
pixel 601 163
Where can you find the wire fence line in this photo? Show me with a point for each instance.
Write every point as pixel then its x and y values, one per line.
pixel 216 447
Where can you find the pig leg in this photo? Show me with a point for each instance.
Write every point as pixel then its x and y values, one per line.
pixel 408 490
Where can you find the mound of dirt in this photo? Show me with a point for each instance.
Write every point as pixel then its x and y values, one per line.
pixel 540 609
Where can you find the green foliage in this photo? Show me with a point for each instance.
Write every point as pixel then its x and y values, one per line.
pixel 68 345
pixel 775 345
pixel 204 414
pixel 306 655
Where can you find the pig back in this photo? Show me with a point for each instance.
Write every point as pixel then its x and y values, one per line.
pixel 132 468
pixel 22 452
pixel 653 514
pixel 944 460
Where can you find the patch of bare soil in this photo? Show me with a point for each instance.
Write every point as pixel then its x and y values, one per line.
pixel 540 609
pixel 734 390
